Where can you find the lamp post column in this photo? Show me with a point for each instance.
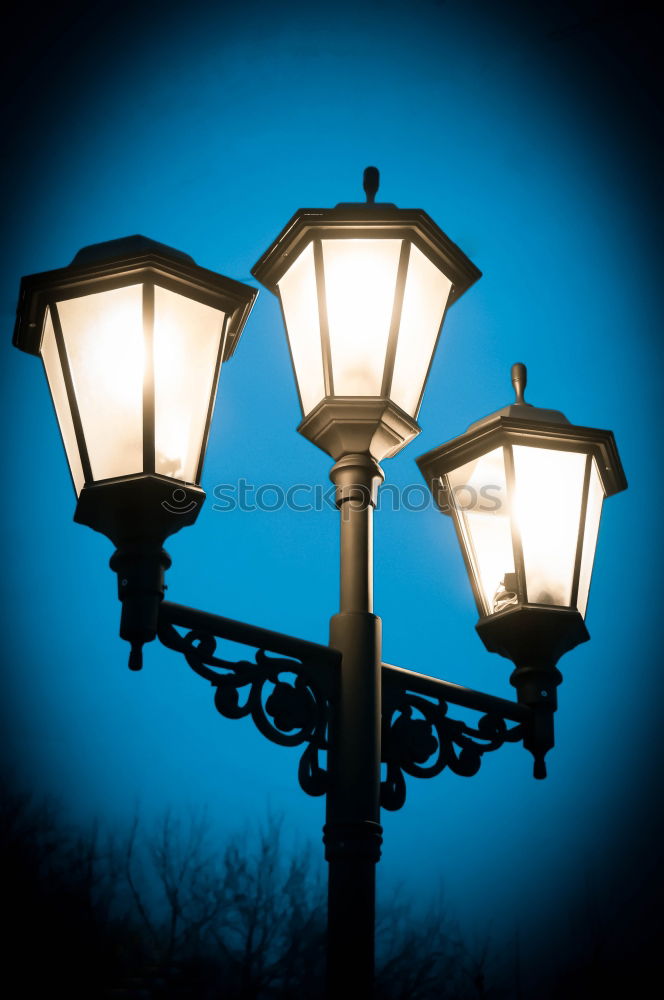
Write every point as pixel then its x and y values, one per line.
pixel 352 832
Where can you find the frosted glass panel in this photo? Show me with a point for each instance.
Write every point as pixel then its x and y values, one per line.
pixel 593 514
pixel 187 337
pixel 478 494
pixel 103 335
pixel 547 510
pixel 56 383
pixel 425 298
pixel 360 282
pixel 299 300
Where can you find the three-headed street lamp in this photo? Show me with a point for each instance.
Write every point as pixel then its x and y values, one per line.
pixel 133 335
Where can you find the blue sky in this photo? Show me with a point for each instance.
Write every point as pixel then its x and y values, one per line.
pixel 531 144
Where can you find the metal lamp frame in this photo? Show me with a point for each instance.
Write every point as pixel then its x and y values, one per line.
pixel 504 432
pixel 118 264
pixel 364 222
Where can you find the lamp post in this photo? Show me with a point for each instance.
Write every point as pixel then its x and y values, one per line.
pixel 363 291
pixel 133 335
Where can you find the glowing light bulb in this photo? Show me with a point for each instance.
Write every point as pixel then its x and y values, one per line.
pixel 507 593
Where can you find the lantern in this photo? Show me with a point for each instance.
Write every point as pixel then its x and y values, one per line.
pixel 525 490
pixel 363 290
pixel 132 336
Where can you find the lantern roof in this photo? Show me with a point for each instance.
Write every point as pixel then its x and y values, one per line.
pixel 521 423
pixel 359 220
pixel 520 409
pixel 126 246
pixel 115 263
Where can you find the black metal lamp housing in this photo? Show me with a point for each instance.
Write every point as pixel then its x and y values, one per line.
pixel 363 289
pixel 132 336
pixel 525 490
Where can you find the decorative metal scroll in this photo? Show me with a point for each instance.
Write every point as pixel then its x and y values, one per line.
pixel 287 697
pixel 419 739
pixel 290 686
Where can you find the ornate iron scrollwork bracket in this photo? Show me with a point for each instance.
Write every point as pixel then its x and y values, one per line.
pixel 418 738
pixel 286 695
pixel 289 687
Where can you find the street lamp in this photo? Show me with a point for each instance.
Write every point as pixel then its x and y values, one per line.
pixel 525 490
pixel 363 290
pixel 132 336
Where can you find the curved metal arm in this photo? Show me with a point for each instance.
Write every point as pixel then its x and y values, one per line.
pixel 419 739
pixel 289 695
pixel 287 711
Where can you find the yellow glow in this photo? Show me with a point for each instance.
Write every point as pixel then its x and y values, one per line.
pixel 593 514
pixel 360 282
pixel 56 384
pixel 547 511
pixel 480 497
pixel 299 299
pixel 360 279
pixel 425 297
pixel 186 344
pixel 103 335
pixel 105 340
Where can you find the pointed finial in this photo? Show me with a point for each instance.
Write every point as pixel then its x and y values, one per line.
pixel 371 181
pixel 539 768
pixel 519 379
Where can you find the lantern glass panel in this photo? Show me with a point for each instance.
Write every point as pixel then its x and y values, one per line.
pixel 56 383
pixel 360 284
pixel 479 499
pixel 547 500
pixel 425 298
pixel 299 300
pixel 103 335
pixel 590 532
pixel 187 339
